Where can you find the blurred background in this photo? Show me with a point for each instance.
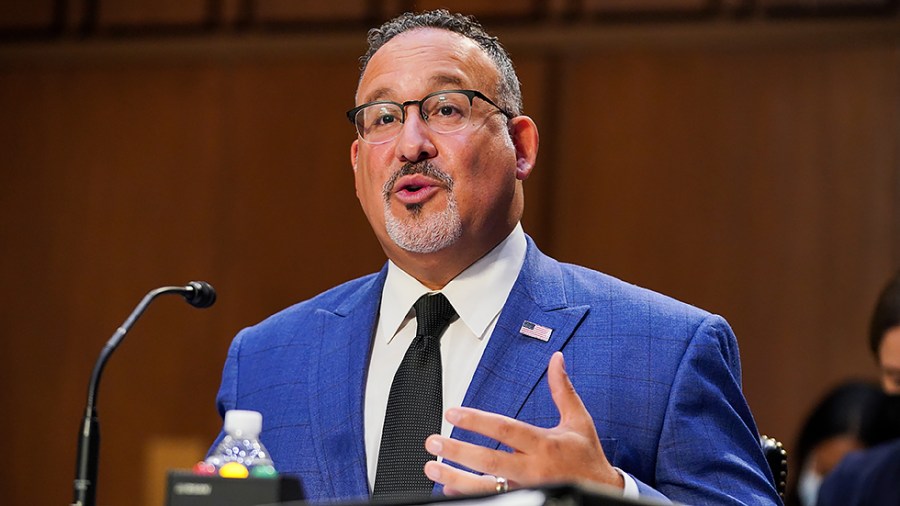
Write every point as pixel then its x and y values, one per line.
pixel 743 156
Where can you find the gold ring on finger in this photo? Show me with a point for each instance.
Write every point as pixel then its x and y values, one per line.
pixel 502 484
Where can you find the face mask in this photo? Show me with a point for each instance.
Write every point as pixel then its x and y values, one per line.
pixel 808 485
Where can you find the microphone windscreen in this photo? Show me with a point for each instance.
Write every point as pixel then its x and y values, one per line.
pixel 200 294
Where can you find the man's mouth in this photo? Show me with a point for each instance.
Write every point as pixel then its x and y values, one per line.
pixel 414 184
pixel 415 189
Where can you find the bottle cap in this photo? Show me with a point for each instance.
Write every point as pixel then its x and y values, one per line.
pixel 263 471
pixel 242 422
pixel 204 468
pixel 234 470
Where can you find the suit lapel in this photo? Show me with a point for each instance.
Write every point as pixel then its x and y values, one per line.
pixel 513 363
pixel 510 369
pixel 337 387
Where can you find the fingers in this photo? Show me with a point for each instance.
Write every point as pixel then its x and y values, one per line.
pixel 513 433
pixel 571 410
pixel 485 460
pixel 519 435
pixel 569 451
pixel 457 481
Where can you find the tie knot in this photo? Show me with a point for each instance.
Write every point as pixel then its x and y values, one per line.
pixel 433 314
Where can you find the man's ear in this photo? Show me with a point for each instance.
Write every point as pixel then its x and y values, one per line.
pixel 524 134
pixel 354 154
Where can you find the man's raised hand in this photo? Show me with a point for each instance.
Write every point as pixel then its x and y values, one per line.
pixel 569 452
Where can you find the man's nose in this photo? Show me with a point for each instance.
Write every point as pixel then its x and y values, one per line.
pixel 414 142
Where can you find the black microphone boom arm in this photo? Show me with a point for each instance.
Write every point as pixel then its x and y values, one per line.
pixel 198 294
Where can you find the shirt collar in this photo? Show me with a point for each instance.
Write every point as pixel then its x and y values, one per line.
pixel 491 277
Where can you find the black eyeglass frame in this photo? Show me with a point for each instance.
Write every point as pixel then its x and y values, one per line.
pixel 471 94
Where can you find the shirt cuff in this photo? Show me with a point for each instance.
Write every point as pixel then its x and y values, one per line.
pixel 631 489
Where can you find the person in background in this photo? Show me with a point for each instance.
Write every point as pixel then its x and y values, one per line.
pixel 869 477
pixel 884 335
pixel 833 429
pixel 872 476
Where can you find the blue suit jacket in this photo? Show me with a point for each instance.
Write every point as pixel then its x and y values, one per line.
pixel 660 378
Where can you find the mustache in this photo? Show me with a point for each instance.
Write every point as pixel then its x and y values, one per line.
pixel 425 168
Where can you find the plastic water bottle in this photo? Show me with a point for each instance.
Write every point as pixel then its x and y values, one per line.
pixel 241 453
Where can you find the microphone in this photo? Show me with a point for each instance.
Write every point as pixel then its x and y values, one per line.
pixel 199 294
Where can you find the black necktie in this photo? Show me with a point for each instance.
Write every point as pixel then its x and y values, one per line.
pixel 414 407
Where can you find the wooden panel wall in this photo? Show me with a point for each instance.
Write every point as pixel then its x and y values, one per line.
pixel 758 182
pixel 756 179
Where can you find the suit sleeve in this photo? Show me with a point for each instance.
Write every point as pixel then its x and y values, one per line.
pixel 226 399
pixel 709 450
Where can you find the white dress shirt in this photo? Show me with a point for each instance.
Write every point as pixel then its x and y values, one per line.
pixel 462 344
pixel 477 294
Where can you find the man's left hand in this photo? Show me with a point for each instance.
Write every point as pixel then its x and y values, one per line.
pixel 569 452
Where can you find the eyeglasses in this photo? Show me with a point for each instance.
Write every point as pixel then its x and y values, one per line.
pixel 443 111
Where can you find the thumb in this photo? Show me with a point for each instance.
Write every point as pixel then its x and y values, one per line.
pixel 571 409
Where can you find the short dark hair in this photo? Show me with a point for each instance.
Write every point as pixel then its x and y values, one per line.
pixel 508 93
pixel 886 315
pixel 846 410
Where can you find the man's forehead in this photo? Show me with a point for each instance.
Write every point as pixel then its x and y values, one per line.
pixel 435 82
pixel 433 57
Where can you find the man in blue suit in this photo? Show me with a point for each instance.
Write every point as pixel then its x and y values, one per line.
pixel 647 400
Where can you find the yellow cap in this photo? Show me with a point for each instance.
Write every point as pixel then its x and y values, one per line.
pixel 233 470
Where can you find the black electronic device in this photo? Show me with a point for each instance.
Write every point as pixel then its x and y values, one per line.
pixel 187 489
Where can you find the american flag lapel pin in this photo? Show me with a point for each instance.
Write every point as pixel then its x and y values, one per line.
pixel 536 331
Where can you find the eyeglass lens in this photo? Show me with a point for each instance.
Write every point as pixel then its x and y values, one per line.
pixel 443 113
